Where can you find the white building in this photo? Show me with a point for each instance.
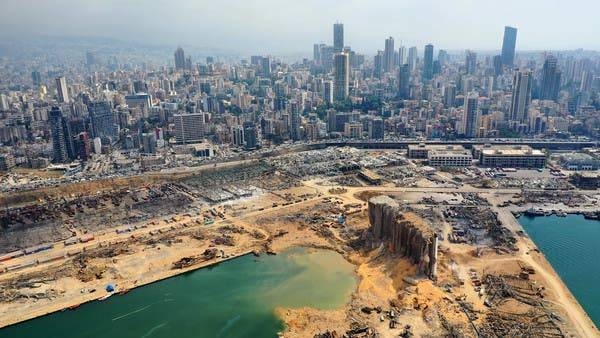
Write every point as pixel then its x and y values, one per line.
pixel 449 158
pixel 189 128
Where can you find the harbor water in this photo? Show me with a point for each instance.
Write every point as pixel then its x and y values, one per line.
pixel 572 245
pixel 236 298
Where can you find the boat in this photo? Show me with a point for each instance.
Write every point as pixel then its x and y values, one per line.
pixel 122 292
pixel 561 213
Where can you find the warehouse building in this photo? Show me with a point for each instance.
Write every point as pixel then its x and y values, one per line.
pixel 512 157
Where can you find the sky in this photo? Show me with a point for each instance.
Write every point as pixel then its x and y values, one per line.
pixel 292 26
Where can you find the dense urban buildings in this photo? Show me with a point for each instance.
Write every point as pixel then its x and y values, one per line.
pixel 103 104
pixel 122 164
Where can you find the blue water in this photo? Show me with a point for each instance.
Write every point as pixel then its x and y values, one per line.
pixel 572 245
pixel 234 299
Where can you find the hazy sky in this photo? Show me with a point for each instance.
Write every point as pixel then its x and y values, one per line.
pixel 288 26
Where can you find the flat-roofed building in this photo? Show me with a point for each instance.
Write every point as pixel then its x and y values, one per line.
pixel 353 129
pixel 512 157
pixel 422 150
pixel 579 161
pixel 189 128
pixel 586 180
pixel 444 158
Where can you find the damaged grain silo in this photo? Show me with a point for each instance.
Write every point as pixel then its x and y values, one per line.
pixel 406 234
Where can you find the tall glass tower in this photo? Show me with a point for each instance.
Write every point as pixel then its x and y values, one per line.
pixel 508 46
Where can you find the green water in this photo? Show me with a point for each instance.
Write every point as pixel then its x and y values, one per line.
pixel 572 245
pixel 233 299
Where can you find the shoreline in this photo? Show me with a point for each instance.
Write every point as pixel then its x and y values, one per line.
pixel 563 297
pixel 85 300
pixel 378 276
pixel 541 252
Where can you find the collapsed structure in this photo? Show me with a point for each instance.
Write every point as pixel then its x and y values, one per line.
pixel 409 237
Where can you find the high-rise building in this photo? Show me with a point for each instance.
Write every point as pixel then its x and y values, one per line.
pixel 148 143
pixel 587 80
pixel 498 65
pixel 4 106
pixel 62 144
pixel 62 90
pixel 237 135
pixel 550 79
pixel 443 57
pixel 103 121
pixel 404 81
pixel 36 78
pixel 179 58
pixel 521 96
pixel 508 46
pixel 328 91
pixel 469 121
pixel 338 37
pixel 376 129
pixel 317 53
pixel 327 53
pixel 449 95
pixel 265 66
pixel 470 62
pixel 401 55
pixel 428 63
pixel 378 64
pixel 189 128
pixel 250 135
pixel 388 55
pixel 295 120
pixel 412 58
pixel 342 77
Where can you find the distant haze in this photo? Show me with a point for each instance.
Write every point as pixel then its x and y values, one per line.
pixel 292 26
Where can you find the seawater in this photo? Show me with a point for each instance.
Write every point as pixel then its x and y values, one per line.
pixel 236 298
pixel 572 245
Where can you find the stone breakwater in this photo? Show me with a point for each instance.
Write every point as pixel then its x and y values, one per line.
pixel 405 233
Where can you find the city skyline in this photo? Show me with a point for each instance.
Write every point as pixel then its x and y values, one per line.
pixel 249 28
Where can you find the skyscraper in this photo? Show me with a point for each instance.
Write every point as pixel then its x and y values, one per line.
pixel 388 55
pixel 62 144
pixel 250 135
pixel 342 77
pixel 36 78
pixel 498 65
pixel 471 62
pixel 521 96
pixel 328 91
pixel 449 95
pixel 508 46
pixel 401 55
pixel 63 91
pixel 338 37
pixel 443 57
pixel 428 63
pixel 179 58
pixel 412 58
pixel 550 79
pixel 295 120
pixel 265 66
pixel 469 121
pixel 103 121
pixel 404 81
pixel 378 64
